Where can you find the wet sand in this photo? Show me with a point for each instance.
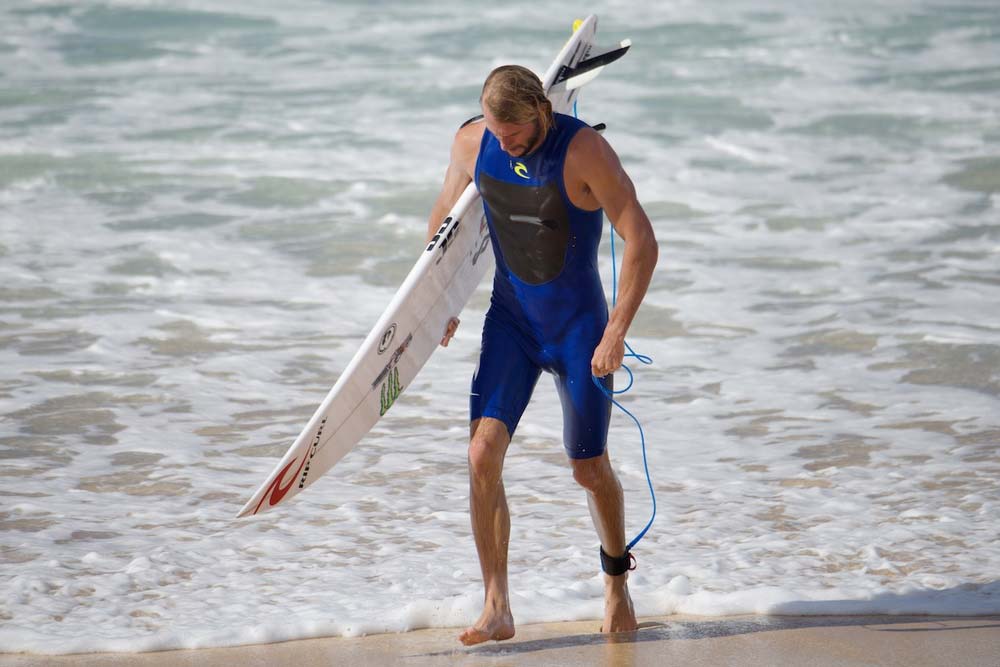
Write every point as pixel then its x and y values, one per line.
pixel 817 641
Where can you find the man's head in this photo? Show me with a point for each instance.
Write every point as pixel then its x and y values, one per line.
pixel 516 109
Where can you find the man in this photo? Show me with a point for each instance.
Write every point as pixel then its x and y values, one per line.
pixel 545 179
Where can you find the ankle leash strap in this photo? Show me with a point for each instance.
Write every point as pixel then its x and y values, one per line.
pixel 617 566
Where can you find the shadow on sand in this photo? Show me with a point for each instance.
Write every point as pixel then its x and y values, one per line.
pixel 876 613
pixel 688 630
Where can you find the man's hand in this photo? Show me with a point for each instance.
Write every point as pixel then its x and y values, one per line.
pixel 450 331
pixel 608 354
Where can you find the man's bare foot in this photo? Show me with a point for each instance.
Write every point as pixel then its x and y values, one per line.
pixel 619 615
pixel 489 626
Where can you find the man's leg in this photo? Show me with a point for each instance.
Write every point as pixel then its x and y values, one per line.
pixel 607 508
pixel 490 527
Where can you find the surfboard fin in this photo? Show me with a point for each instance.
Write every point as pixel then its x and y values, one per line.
pixel 587 70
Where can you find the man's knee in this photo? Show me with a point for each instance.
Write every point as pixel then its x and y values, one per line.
pixel 487 447
pixel 483 461
pixel 594 474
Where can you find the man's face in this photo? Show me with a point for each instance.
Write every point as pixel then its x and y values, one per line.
pixel 516 139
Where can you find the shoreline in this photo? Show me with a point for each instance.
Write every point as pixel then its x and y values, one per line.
pixel 738 640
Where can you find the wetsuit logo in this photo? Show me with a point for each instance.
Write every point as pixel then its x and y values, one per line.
pixel 520 169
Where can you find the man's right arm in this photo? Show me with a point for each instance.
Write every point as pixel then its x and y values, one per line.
pixel 464 151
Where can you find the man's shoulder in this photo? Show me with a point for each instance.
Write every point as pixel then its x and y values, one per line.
pixel 470 135
pixel 591 163
pixel 465 147
pixel 471 130
pixel 587 144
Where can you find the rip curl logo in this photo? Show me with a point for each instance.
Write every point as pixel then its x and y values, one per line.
pixel 520 169
pixel 275 490
pixel 387 337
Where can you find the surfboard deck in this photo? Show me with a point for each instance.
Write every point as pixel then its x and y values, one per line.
pixel 412 325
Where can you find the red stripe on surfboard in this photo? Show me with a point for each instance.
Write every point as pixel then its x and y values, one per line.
pixel 276 492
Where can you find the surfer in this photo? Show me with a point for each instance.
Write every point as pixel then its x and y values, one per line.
pixel 546 179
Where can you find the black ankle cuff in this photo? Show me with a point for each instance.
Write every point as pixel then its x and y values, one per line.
pixel 617 566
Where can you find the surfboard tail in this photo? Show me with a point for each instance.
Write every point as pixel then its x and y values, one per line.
pixel 587 70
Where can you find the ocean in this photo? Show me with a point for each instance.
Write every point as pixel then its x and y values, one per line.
pixel 205 206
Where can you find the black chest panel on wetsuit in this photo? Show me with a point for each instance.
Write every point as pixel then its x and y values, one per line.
pixel 531 227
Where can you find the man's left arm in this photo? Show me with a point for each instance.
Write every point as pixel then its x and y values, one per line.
pixel 610 186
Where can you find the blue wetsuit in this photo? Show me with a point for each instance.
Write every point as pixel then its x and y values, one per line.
pixel 548 310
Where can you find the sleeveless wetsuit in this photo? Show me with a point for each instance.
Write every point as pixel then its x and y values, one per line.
pixel 548 309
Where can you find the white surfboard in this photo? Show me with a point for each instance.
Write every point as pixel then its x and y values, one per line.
pixel 410 329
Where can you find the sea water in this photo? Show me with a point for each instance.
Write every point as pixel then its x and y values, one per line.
pixel 204 207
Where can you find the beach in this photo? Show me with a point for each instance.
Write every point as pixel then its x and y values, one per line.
pixel 205 207
pixel 833 641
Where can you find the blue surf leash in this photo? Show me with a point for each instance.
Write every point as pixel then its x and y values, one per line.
pixel 643 359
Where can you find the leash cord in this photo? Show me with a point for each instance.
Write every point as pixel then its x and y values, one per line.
pixel 643 359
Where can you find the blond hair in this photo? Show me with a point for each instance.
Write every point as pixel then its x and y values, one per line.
pixel 514 94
